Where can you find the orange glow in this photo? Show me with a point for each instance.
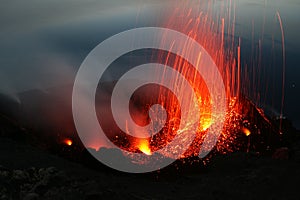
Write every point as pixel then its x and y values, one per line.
pixel 206 30
pixel 205 122
pixel 214 34
pixel 68 142
pixel 144 147
pixel 217 35
pixel 246 131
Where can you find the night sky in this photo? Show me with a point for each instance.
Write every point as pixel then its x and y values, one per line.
pixel 43 43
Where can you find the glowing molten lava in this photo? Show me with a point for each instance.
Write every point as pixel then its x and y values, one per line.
pixel 246 131
pixel 209 32
pixel 143 146
pixel 68 142
pixel 200 24
pixel 215 32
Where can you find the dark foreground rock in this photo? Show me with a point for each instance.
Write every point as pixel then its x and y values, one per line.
pixel 29 173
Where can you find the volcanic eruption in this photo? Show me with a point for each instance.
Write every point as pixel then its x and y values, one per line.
pixel 245 127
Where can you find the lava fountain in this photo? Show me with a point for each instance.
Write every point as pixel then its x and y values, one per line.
pixel 201 27
pixel 159 108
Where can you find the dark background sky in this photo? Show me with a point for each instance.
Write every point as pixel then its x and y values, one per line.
pixel 42 43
